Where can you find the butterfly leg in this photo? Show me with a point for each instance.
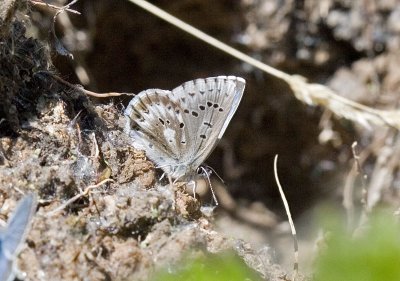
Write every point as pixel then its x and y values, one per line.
pixel 171 184
pixel 206 173
pixel 213 193
pixel 194 184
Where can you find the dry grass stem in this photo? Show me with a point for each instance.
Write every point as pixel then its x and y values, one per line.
pixel 309 93
pixel 292 227
pixel 364 197
pixel 363 176
pixel 44 4
pixel 348 200
pixel 76 197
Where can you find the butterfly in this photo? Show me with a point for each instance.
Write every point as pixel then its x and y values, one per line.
pixel 13 236
pixel 179 129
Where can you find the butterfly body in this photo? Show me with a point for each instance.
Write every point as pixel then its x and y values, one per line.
pixel 178 129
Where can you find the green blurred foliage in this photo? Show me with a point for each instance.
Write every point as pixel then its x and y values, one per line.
pixel 224 267
pixel 373 254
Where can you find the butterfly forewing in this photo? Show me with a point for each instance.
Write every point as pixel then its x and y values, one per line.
pixel 208 106
pixel 236 90
pixel 178 129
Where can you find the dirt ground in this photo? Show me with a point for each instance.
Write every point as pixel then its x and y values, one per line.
pixel 59 142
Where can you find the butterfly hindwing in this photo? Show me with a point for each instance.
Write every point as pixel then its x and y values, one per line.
pixel 156 126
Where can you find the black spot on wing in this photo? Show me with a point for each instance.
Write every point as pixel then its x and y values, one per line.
pixel 208 124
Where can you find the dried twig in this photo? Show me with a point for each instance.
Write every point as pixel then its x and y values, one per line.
pixel 76 197
pixel 364 199
pixel 293 229
pixel 44 4
pixel 348 190
pixel 59 47
pixel 96 147
pixel 81 89
pixel 348 202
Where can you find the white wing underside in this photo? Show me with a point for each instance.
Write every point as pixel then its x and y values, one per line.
pixel 178 129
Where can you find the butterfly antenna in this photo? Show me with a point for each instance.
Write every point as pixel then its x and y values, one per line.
pixel 207 173
pixel 215 172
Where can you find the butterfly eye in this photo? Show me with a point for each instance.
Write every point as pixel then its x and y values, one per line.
pixel 220 109
pixel 209 104
pixel 202 107
pixel 216 105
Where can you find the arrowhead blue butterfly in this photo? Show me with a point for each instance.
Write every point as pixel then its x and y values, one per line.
pixel 179 129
